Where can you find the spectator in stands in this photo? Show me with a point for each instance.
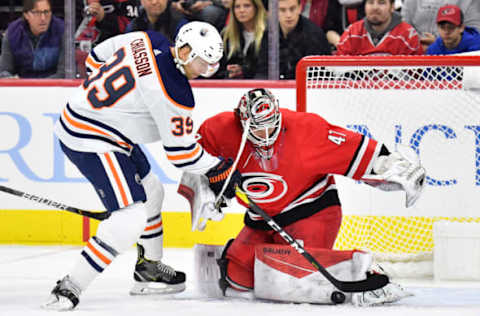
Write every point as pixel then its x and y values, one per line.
pixel 299 37
pixel 422 16
pixel 33 44
pixel 227 4
pixel 111 17
pixel 333 16
pixel 454 37
pixel 326 14
pixel 246 42
pixel 160 16
pixel 213 12
pixel 102 19
pixel 381 32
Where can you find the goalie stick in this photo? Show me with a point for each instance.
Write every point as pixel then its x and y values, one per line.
pixel 372 282
pixel 96 215
pixel 220 199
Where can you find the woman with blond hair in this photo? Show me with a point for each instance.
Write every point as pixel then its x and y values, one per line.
pixel 245 41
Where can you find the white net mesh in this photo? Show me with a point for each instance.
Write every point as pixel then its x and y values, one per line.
pixel 431 104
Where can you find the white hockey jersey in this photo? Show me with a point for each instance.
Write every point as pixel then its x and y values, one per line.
pixel 135 95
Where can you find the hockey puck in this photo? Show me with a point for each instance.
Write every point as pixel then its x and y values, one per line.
pixel 337 297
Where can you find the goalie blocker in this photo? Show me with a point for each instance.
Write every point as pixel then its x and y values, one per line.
pixel 281 274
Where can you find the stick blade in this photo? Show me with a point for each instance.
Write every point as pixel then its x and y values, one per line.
pixel 372 282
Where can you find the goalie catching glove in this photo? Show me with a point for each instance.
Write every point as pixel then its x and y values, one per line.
pixel 218 175
pixel 400 170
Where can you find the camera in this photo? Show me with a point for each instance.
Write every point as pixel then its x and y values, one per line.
pixel 187 4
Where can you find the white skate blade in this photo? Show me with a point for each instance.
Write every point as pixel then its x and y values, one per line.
pixel 156 288
pixel 59 303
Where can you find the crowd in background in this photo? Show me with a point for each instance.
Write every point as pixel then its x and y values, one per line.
pixel 32 32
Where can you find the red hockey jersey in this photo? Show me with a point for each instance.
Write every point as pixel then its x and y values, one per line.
pixel 308 151
pixel 401 40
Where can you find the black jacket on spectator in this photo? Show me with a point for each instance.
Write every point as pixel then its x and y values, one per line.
pixel 253 66
pixel 168 23
pixel 304 40
pixel 115 22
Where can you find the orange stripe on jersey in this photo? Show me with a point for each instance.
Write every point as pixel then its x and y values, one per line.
pixel 153 226
pixel 98 254
pixel 157 71
pixel 184 156
pixel 117 179
pixel 91 129
pixel 366 158
pixel 89 61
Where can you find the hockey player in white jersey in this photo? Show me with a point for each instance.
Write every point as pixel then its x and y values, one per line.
pixel 138 92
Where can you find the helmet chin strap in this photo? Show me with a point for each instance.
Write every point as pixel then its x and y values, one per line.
pixel 180 66
pixel 180 63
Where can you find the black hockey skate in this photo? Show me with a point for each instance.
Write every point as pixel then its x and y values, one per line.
pixel 64 296
pixel 155 277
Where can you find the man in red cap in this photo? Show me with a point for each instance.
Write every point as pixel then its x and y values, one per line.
pixel 454 37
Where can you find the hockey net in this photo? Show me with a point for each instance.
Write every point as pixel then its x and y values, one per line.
pixel 430 103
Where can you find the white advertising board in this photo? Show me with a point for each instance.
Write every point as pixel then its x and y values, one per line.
pixel 31 161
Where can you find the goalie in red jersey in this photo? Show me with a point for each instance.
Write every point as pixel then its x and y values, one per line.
pixel 287 168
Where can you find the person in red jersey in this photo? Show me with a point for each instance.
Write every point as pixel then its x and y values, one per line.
pixel 287 168
pixel 381 32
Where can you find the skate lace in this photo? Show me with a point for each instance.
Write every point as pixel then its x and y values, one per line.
pixel 166 269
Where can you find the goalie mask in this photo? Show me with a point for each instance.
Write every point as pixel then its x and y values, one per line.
pixel 205 43
pixel 261 107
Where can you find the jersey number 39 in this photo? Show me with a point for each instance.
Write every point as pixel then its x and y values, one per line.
pixel 116 84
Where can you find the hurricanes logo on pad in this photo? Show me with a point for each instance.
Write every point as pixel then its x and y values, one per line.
pixel 264 187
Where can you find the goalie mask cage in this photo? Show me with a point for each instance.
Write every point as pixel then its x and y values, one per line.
pixel 430 103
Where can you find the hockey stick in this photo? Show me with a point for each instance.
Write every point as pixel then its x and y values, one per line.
pixel 372 282
pixel 96 215
pixel 219 198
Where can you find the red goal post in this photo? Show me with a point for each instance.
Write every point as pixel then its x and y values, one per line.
pixel 430 103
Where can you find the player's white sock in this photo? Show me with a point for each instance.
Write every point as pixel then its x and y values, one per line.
pixel 151 238
pixel 94 258
pixel 114 235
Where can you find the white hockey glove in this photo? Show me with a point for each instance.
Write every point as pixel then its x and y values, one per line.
pixel 401 170
pixel 195 188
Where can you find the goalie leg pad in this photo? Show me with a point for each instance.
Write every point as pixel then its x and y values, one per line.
pixel 207 270
pixel 211 272
pixel 282 274
pixel 241 256
pixel 390 293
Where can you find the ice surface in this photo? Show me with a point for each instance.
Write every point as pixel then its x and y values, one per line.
pixel 28 274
